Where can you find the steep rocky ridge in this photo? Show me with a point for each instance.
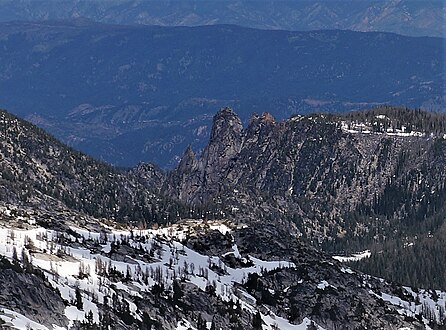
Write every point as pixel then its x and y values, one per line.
pixel 30 295
pixel 370 179
pixel 335 177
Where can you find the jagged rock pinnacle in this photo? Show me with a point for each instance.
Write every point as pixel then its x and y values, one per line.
pixel 188 161
pixel 226 123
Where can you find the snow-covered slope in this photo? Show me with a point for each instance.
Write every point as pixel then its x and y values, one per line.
pixel 106 274
pixel 71 265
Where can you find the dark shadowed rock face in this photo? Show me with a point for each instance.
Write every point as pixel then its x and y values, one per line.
pixel 195 179
pixel 225 144
pixel 227 130
pixel 31 296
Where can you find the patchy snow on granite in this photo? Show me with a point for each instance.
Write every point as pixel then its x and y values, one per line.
pixel 347 270
pixel 63 266
pixel 19 321
pixel 323 285
pixel 422 300
pixel 185 325
pixel 173 259
pixel 275 322
pixel 367 128
pixel 355 257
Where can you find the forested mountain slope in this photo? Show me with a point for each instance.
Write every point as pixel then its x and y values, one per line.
pixel 39 171
pixel 251 268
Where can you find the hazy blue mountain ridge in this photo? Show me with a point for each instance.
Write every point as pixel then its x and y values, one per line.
pixel 102 88
pixel 409 17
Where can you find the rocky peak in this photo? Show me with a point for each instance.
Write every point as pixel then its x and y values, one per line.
pixel 188 161
pixel 265 118
pixel 226 126
pixel 259 125
pixel 225 142
pixel 316 169
pixel 192 174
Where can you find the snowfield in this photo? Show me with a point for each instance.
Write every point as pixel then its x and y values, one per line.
pixel 366 128
pixel 63 265
pixel 74 269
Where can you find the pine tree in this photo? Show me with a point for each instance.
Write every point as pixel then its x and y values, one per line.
pixel 201 323
pixel 312 326
pixel 78 299
pixel 257 321
pixel 213 326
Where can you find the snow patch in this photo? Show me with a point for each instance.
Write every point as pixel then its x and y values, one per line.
pixel 19 321
pixel 355 257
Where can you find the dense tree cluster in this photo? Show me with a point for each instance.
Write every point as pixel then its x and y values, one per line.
pixel 390 118
pixel 417 262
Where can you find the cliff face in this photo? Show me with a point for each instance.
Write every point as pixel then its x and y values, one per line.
pixel 32 296
pixel 198 180
pixel 332 176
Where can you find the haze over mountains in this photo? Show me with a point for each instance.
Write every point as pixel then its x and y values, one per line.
pixel 409 17
pixel 311 214
pixel 104 88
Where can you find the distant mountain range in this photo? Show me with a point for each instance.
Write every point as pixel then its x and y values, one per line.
pixel 409 17
pixel 284 219
pixel 131 93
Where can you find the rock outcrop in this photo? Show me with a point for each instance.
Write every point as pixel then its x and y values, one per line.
pixel 326 174
pixel 31 296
